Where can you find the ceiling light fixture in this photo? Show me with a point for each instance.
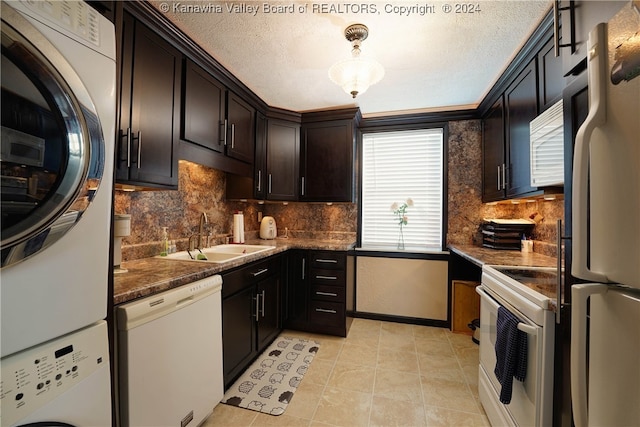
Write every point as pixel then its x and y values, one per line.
pixel 356 74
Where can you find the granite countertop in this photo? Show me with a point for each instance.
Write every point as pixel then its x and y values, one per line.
pixel 481 256
pixel 150 276
pixel 486 256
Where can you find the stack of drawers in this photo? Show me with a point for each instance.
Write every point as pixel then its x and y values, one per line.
pixel 327 280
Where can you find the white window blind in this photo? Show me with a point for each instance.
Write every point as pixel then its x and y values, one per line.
pixel 397 166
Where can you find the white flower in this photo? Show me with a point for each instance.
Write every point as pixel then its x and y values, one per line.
pixel 409 201
pixel 394 207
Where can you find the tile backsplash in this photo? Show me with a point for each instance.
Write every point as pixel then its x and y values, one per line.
pixel 202 189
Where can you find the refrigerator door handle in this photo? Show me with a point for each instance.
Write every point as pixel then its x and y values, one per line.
pixel 597 57
pixel 579 296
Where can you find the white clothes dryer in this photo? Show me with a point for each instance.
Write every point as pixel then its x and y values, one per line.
pixel 66 380
pixel 58 125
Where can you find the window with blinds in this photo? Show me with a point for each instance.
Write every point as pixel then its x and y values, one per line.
pixel 397 166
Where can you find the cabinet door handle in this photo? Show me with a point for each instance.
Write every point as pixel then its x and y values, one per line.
pixel 139 147
pixel 504 176
pixel 128 136
pixel 233 135
pixel 498 177
pixel 258 273
pixel 326 294
pixel 259 187
pixel 224 132
pixel 304 262
pixel 302 186
pixel 263 303
pixel 327 277
pixel 324 310
pixel 256 313
pixel 556 27
pixel 327 261
pixel 269 183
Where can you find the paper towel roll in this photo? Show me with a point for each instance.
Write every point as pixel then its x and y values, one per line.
pixel 238 228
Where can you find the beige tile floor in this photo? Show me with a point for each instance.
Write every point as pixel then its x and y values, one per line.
pixel 382 374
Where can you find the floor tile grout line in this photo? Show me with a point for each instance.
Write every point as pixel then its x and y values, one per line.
pixel 375 374
pixel 326 384
pixel 424 404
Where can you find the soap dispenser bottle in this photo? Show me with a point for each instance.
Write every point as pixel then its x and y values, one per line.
pixel 165 242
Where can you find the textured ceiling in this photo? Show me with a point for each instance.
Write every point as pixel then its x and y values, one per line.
pixel 433 60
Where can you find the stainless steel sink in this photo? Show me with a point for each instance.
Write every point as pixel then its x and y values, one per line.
pixel 218 254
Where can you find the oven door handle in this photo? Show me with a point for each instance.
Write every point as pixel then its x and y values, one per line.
pixel 527 329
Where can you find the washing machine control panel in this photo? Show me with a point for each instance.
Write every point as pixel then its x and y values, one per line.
pixel 35 377
pixel 75 17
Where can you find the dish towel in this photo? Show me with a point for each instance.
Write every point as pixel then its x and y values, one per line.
pixel 511 353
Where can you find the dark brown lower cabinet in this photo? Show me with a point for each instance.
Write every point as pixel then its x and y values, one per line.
pixel 250 314
pixel 317 292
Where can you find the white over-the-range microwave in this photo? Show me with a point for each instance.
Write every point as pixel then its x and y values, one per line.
pixel 547 147
pixel 22 148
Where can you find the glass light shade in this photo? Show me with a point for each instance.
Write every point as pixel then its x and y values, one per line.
pixel 356 74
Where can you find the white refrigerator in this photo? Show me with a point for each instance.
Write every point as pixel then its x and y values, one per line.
pixel 605 314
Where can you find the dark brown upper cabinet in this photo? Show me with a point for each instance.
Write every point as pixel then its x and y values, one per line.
pixel 260 168
pixel 203 111
pixel 551 82
pixel 240 128
pixel 327 171
pixel 505 145
pixel 216 118
pixel 149 108
pixel 521 106
pixel 531 84
pixel 283 156
pixel 277 160
pixel 493 153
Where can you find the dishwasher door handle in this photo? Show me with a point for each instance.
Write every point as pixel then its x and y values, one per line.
pixel 185 301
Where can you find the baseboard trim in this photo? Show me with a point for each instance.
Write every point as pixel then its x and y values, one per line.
pixel 400 319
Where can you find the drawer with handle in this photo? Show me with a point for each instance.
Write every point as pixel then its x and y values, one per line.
pixel 328 293
pixel 327 260
pixel 327 277
pixel 329 314
pixel 243 277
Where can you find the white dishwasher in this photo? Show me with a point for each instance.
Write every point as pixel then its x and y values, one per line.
pixel 170 356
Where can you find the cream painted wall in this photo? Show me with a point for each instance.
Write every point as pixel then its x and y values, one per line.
pixel 402 287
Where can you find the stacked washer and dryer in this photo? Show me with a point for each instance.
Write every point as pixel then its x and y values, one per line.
pixel 58 123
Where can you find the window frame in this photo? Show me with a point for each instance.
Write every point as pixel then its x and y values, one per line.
pixel 445 173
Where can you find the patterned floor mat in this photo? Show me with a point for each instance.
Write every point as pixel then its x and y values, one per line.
pixel 269 383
